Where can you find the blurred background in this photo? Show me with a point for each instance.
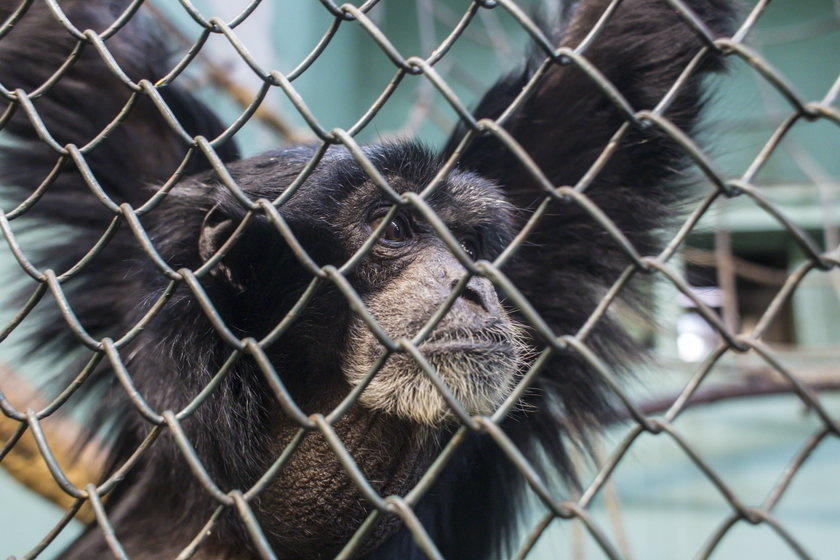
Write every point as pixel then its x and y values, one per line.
pixel 750 439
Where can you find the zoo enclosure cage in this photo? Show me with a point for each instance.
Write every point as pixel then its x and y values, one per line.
pixel 758 276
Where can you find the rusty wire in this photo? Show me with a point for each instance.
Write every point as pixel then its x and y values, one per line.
pixel 661 265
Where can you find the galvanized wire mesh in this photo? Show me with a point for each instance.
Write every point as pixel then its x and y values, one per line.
pixel 554 498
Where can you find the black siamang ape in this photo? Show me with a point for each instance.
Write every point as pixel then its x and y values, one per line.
pixel 202 260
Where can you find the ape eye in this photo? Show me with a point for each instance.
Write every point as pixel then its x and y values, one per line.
pixel 397 231
pixel 470 247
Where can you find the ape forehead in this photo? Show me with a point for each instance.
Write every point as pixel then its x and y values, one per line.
pixel 462 199
pixel 468 200
pixel 340 189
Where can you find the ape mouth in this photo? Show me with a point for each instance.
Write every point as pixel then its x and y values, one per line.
pixel 477 348
pixel 494 336
pixel 478 364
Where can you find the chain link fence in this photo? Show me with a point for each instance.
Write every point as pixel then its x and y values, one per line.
pixel 436 100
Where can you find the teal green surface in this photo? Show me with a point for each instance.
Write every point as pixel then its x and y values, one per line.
pixel 668 508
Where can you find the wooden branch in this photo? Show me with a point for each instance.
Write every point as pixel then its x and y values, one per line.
pixel 750 388
pixel 220 77
pixel 743 268
pixel 25 461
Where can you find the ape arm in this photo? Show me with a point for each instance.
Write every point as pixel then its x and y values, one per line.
pixel 568 121
pixel 577 136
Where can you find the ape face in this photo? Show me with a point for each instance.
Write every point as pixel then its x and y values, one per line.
pixel 405 277
pixel 475 347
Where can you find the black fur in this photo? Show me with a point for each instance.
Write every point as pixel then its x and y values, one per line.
pixel 562 269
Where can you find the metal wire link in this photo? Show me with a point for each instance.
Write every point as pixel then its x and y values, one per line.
pixel 556 504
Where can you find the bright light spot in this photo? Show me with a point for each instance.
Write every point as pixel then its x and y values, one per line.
pixel 695 338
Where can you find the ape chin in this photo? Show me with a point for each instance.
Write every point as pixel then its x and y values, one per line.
pixel 316 340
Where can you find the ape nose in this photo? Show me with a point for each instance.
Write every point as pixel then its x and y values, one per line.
pixel 481 292
pixel 478 292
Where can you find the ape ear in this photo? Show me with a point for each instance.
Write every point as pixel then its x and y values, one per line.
pixel 216 229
